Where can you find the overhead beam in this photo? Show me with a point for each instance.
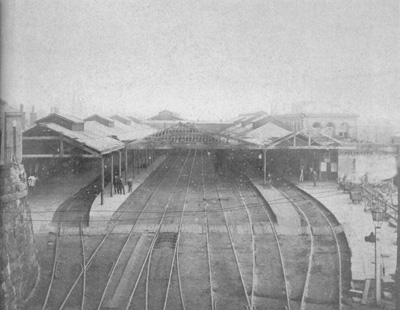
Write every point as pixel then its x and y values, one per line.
pixel 41 138
pixel 112 174
pixel 312 148
pixel 102 180
pixel 60 156
pixel 126 163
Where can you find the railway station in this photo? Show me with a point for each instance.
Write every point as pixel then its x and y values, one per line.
pixel 258 213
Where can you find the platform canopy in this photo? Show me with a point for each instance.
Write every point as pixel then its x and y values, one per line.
pixel 185 135
pixel 49 140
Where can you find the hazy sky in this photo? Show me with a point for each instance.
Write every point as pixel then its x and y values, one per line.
pixel 203 59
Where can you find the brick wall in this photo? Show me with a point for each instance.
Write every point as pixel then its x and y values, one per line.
pixel 18 261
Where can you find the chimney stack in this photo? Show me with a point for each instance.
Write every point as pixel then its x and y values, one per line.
pixel 33 117
pixel 23 116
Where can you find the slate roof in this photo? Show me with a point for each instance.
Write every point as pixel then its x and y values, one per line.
pixel 265 134
pixel 67 117
pixel 100 118
pixel 165 115
pixel 98 142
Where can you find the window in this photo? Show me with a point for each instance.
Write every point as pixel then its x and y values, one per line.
pixel 330 128
pixel 316 125
pixel 344 130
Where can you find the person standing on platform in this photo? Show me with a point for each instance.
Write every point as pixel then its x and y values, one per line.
pixel 32 183
pixel 314 177
pixel 301 179
pixel 130 185
pixel 116 185
pixel 121 186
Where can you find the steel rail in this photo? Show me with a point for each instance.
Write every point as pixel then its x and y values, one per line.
pixel 312 252
pixel 83 268
pixel 110 229
pixel 336 241
pixel 157 234
pixel 149 251
pixel 305 291
pixel 253 248
pixel 120 255
pixel 232 243
pixel 55 263
pixel 207 236
pixel 176 251
pixel 251 306
pixel 53 272
pixel 251 186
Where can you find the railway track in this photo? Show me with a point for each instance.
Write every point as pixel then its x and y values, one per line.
pixel 89 261
pixel 196 237
pixel 207 229
pixel 325 269
pixel 60 254
pixel 115 296
pixel 324 241
pixel 276 296
pixel 222 248
pixel 139 280
pixel 164 251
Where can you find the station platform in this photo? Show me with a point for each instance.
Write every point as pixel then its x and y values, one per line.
pixel 49 194
pixel 288 220
pixel 357 224
pixel 101 214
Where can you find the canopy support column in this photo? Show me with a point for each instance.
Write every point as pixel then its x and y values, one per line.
pixel 112 174
pixel 119 164
pixel 102 180
pixel 126 163
pixel 265 166
pixel 134 163
pixel 139 160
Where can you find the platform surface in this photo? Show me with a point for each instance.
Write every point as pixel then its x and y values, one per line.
pixel 357 224
pixel 101 214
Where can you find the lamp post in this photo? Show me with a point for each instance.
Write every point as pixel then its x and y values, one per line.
pixel 377 217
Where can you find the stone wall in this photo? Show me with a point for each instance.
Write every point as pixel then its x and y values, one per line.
pixel 18 258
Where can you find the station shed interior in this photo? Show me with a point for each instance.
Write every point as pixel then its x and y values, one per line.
pixel 59 140
pixel 283 156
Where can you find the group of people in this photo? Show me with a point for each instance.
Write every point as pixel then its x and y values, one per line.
pixel 313 175
pixel 119 187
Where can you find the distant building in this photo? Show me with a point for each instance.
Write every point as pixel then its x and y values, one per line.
pixel 337 125
pixel 122 119
pixel 135 120
pixel 12 123
pixel 165 115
